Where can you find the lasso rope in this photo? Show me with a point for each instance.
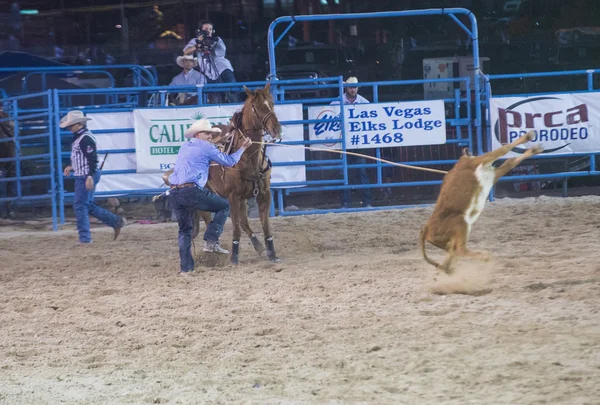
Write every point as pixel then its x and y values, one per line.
pixel 341 152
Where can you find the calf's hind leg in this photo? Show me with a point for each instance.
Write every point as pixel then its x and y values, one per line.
pixel 496 154
pixel 513 162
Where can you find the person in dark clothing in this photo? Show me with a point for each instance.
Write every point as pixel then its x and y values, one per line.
pixel 351 96
pixel 7 168
pixel 84 164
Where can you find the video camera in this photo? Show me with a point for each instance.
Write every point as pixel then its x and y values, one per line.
pixel 207 43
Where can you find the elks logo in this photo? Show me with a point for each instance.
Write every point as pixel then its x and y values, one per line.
pixel 554 121
pixel 328 130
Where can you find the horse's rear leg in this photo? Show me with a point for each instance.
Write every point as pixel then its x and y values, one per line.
pixel 264 205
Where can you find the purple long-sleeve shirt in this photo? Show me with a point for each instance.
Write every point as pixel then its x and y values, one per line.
pixel 193 161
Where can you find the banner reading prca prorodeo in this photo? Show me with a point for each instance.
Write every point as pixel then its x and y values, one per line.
pixel 563 123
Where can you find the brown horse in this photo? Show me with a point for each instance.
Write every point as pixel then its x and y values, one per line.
pixel 251 176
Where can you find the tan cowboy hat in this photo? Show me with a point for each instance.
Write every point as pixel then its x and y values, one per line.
pixel 351 80
pixel 180 60
pixel 200 126
pixel 73 117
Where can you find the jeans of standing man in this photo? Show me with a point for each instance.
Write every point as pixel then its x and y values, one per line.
pixel 84 206
pixel 186 201
pixel 367 196
pixel 225 77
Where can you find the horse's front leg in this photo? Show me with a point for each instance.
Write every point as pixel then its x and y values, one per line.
pixel 264 205
pixel 234 202
pixel 246 227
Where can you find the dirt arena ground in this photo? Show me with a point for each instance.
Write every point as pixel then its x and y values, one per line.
pixel 351 316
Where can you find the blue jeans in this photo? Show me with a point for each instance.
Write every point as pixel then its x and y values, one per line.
pixel 186 201
pixel 84 206
pixel 367 196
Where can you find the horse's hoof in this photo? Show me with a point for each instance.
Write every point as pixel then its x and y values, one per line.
pixel 257 245
pixel 273 258
pixel 234 260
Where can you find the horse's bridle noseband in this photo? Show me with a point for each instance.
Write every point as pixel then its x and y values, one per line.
pixel 264 119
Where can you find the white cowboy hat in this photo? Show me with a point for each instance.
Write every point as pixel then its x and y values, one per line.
pixel 200 126
pixel 180 60
pixel 351 80
pixel 73 117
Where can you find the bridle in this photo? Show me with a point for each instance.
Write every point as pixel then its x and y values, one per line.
pixel 265 120
pixel 238 127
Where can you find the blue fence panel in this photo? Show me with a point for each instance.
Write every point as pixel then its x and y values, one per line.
pixel 459 123
pixel 330 173
pixel 28 165
pixel 451 13
pixel 323 170
pixel 141 76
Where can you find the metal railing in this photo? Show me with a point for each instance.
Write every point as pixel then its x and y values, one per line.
pixel 141 75
pixel 30 168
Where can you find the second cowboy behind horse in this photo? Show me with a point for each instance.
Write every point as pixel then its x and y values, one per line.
pixel 187 77
pixel 188 194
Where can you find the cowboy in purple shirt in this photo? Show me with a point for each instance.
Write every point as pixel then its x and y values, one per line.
pixel 188 193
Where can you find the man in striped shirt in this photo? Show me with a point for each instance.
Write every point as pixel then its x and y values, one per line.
pixel 84 164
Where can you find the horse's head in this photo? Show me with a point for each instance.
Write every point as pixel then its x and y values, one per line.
pixel 261 110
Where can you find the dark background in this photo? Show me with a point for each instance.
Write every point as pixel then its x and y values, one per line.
pixel 154 33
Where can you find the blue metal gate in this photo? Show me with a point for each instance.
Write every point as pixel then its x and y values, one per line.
pixel 29 168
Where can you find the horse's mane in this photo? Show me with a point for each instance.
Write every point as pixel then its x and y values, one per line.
pixel 236 120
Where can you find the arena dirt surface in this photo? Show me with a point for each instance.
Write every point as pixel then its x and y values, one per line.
pixel 351 316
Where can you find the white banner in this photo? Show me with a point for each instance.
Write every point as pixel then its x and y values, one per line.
pixel 380 125
pixel 159 134
pixel 564 123
pixel 117 140
pixel 118 161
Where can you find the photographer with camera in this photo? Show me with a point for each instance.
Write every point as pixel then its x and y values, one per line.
pixel 210 51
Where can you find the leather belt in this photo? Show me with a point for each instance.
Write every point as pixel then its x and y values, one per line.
pixel 184 185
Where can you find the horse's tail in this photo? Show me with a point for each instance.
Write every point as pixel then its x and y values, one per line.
pixel 422 241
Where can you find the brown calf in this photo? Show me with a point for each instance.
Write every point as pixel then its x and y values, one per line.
pixel 462 196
